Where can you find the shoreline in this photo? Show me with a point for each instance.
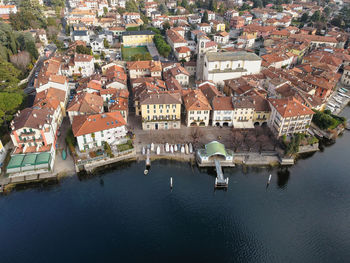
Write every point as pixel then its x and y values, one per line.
pixel 241 159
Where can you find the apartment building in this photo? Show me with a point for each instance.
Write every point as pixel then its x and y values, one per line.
pixel 289 116
pixel 92 131
pixel 161 111
pixel 197 108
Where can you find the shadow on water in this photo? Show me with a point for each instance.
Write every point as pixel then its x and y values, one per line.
pixel 41 186
pixel 282 177
pixel 100 171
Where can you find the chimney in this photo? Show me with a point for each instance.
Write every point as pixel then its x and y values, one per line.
pixel 34 115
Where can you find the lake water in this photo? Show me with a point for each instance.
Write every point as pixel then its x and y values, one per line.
pixel 124 216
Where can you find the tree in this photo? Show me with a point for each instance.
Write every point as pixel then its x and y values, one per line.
pixel 304 18
pixel 337 21
pixel 166 25
pixel 105 10
pixel 212 5
pixel 21 60
pixel 105 43
pixel 257 4
pixel 9 102
pixel 205 17
pixel 196 133
pixel 162 8
pixel 237 139
pixel 316 16
pixel 8 76
pixel 131 6
pixel 327 11
pixel 184 4
pixel 80 49
pixel 163 48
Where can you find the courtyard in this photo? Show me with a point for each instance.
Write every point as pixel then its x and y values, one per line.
pixel 129 52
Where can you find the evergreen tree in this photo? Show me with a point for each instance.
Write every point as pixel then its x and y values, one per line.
pixel 205 17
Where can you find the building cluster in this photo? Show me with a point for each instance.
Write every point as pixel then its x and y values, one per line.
pixel 237 69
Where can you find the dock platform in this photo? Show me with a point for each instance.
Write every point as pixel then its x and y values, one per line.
pixel 220 181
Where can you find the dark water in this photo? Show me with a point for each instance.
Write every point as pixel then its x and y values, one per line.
pixel 124 216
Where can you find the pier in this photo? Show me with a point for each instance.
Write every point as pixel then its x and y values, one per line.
pixel 220 181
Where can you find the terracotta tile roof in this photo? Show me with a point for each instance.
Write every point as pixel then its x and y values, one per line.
pixel 243 102
pixel 32 118
pixel 86 124
pixel 95 85
pixel 156 81
pixel 87 103
pixel 222 103
pixel 210 91
pixel 290 107
pixel 175 36
pixel 120 104
pixel 175 71
pixel 82 58
pixel 151 65
pixel 173 85
pixel 195 100
pixel 164 97
pixel 314 38
pixel 58 94
pixel 182 49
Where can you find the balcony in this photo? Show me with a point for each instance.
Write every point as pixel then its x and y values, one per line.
pixel 27 133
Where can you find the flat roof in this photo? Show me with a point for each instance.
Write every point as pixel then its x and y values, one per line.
pixel 229 56
pixel 43 158
pixel 15 161
pixel 142 32
pixel 29 159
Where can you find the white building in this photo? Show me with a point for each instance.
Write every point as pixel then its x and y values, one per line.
pixel 227 65
pixel 34 130
pixel 222 114
pixel 289 116
pixel 197 109
pixel 94 130
pixel 82 65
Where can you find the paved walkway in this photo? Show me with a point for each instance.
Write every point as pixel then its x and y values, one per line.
pixel 153 50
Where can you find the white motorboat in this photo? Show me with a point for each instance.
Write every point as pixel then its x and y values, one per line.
pixel 167 147
pixel 190 148
pixel 158 150
pixel 143 150
pixel 186 148
pixel 152 147
pixel 171 149
pixel 182 149
pixel 175 148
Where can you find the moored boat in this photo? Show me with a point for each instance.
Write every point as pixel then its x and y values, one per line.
pixel 167 147
pixel 190 148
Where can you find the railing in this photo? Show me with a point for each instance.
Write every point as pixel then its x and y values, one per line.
pixel 27 133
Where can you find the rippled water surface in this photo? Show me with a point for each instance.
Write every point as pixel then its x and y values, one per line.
pixel 124 216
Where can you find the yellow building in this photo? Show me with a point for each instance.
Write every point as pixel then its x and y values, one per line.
pixel 137 38
pixel 161 111
pixel 262 110
pixel 220 27
pixel 250 34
